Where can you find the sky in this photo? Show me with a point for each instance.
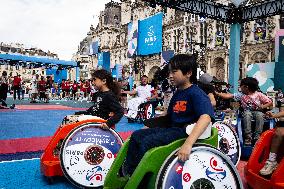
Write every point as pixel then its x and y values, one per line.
pixel 54 25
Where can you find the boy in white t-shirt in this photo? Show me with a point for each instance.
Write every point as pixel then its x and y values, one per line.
pixel 143 94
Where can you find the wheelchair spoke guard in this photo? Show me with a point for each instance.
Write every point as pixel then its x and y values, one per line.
pixel 207 168
pixel 228 141
pixel 87 154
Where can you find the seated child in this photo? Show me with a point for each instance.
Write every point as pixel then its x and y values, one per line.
pixel 106 100
pixel 188 105
pixel 271 163
pixel 253 104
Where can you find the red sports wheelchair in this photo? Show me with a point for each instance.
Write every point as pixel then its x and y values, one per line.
pixel 257 160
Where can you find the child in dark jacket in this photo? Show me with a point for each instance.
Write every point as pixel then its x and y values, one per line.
pixel 106 100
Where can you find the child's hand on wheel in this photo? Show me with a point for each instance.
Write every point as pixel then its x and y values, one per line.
pixel 104 126
pixel 183 153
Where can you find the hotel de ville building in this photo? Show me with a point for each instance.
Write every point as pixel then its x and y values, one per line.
pixel 181 33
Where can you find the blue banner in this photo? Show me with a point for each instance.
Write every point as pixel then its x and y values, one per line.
pixel 150 35
pixel 58 75
pixel 94 48
pixel 118 68
pixel 104 61
pixel 132 39
pixel 165 57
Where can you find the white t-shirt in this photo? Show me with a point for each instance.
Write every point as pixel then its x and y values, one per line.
pixel 144 91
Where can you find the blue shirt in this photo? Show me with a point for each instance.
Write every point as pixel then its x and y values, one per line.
pixel 186 106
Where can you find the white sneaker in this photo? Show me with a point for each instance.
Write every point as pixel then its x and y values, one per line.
pixel 268 168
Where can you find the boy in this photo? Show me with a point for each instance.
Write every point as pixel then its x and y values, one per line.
pixel 188 105
pixel 253 104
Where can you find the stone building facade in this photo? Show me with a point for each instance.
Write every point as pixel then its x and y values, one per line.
pixel 183 33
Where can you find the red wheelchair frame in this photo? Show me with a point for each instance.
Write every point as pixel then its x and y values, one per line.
pixel 49 161
pixel 257 161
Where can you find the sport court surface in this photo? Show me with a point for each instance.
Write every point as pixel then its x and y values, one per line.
pixel 25 132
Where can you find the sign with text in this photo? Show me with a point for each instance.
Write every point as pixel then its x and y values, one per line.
pixel 150 35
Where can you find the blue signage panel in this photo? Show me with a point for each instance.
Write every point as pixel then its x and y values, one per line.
pixel 150 35
pixel 104 61
pixel 132 39
pixel 58 75
pixel 94 48
pixel 118 68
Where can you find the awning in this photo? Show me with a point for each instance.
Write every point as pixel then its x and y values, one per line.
pixel 36 60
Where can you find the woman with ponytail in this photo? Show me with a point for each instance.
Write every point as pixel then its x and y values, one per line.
pixel 106 100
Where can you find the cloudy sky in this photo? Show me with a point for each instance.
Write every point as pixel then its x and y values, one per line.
pixel 55 25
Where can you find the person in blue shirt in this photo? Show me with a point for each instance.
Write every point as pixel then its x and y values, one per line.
pixel 188 105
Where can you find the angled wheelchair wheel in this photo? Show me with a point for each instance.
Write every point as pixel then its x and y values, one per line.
pixel 87 154
pixel 228 141
pixel 148 111
pixel 207 168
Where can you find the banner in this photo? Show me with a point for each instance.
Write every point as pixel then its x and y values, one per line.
pixel 58 75
pixel 150 35
pixel 278 41
pixel 94 48
pixel 118 68
pixel 165 57
pixel 104 61
pixel 279 57
pixel 264 73
pixel 132 39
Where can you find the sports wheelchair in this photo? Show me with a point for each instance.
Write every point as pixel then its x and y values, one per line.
pixel 146 110
pixel 247 150
pixel 257 160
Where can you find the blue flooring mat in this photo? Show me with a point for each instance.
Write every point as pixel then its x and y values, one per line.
pixel 26 174
pixel 30 123
pixel 42 123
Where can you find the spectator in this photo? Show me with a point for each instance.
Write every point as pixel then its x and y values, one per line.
pixel 279 98
pixel 3 88
pixel 34 88
pixel 206 85
pixel 75 87
pixel 17 86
